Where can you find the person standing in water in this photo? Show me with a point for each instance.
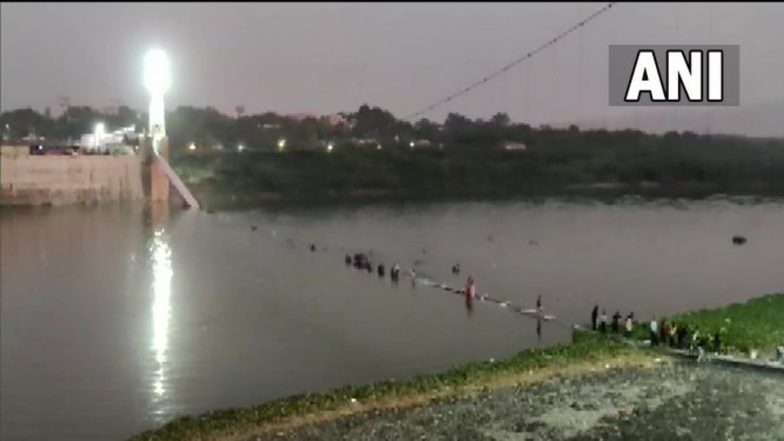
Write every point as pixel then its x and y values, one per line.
pixel 470 288
pixel 539 304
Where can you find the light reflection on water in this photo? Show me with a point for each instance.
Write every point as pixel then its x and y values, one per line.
pixel 161 307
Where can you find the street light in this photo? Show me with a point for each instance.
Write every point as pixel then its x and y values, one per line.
pixel 192 146
pixel 240 147
pixel 281 144
pixel 330 146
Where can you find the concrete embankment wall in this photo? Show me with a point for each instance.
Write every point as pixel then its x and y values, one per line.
pixel 57 180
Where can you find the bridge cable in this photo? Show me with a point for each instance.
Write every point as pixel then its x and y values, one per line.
pixel 514 63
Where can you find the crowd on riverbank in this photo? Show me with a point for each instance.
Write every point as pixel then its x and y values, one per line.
pixel 677 335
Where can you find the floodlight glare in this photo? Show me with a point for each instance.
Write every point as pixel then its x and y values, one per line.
pixel 157 77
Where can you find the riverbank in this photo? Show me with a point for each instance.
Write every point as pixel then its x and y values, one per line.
pixel 587 353
pixel 673 401
pixel 230 180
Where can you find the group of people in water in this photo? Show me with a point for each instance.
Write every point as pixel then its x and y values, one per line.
pixel 675 335
pixel 362 261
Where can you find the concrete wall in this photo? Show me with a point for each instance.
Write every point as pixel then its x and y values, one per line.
pixel 14 150
pixel 57 180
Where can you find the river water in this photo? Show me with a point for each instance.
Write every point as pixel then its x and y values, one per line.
pixel 115 320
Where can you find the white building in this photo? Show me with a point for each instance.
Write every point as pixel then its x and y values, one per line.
pixel 100 142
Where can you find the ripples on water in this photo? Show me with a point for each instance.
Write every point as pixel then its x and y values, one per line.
pixel 115 320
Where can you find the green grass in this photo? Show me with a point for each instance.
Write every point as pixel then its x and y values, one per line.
pixel 755 324
pixel 223 423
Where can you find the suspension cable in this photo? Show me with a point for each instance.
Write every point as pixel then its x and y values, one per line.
pixel 514 63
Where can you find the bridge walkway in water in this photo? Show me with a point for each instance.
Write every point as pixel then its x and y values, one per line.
pixel 176 182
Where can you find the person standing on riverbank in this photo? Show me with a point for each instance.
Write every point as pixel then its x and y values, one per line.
pixel 717 342
pixel 616 322
pixel 603 322
pixel 629 326
pixel 654 332
pixel 683 331
pixel 664 332
pixel 594 316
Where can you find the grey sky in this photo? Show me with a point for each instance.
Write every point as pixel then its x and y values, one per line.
pixel 323 58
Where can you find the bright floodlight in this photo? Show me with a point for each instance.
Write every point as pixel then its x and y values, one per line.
pixel 157 77
pixel 330 146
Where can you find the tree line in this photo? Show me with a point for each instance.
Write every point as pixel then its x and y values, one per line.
pixel 464 153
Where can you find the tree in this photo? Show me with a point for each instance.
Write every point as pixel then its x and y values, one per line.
pixel 500 119
pixel 22 122
pixel 456 123
pixel 426 129
pixel 373 122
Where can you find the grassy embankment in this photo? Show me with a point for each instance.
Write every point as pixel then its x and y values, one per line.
pixel 756 324
pixel 587 352
pixel 251 178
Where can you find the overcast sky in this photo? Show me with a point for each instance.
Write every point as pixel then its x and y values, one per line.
pixel 324 58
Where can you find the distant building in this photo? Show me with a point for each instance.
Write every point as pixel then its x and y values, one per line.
pixel 336 119
pixel 365 141
pixel 515 146
pixel 423 144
